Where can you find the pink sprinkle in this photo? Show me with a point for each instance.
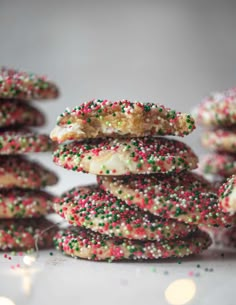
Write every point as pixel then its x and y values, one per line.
pixel 190 273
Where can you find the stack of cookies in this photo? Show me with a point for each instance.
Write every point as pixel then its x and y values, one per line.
pixel 147 203
pixel 22 202
pixel 217 113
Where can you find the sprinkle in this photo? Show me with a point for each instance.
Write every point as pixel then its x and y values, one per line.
pixel 226 195
pixel 25 86
pixel 191 273
pixel 24 173
pixel 19 113
pixel 24 141
pixel 92 208
pixel 140 155
pixel 154 269
pixel 218 109
pixel 99 118
pixel 79 242
pixel 186 197
pixel 220 140
pixel 19 203
pixel 221 164
pixel 20 234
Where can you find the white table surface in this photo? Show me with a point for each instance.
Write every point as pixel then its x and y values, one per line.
pixel 57 279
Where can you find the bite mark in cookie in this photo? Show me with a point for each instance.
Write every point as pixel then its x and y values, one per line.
pixel 103 118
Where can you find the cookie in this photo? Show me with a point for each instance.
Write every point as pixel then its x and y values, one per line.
pixel 220 164
pixel 225 237
pixel 20 234
pixel 19 113
pixel 126 156
pixel 94 209
pixel 16 171
pixel 227 195
pixel 103 118
pixel 223 140
pixel 23 141
pixel 186 197
pixel 82 243
pixel 218 109
pixel 25 86
pixel 19 203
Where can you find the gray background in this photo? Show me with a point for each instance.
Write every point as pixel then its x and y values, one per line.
pixel 170 52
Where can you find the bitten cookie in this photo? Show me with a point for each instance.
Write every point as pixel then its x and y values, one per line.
pixel 16 171
pixel 218 164
pixel 103 118
pixel 15 113
pixel 220 140
pixel 20 234
pixel 227 195
pixel 94 209
pixel 19 203
pixel 186 197
pixel 126 156
pixel 78 242
pixel 25 86
pixel 23 141
pixel 218 109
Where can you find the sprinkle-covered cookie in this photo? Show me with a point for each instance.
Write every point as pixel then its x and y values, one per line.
pixel 25 86
pixel 19 113
pixel 218 164
pixel 82 243
pixel 126 156
pixel 227 195
pixel 218 109
pixel 20 234
pixel 223 140
pixel 19 203
pixel 16 171
pixel 103 118
pixel 186 197
pixel 23 141
pixel 94 209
